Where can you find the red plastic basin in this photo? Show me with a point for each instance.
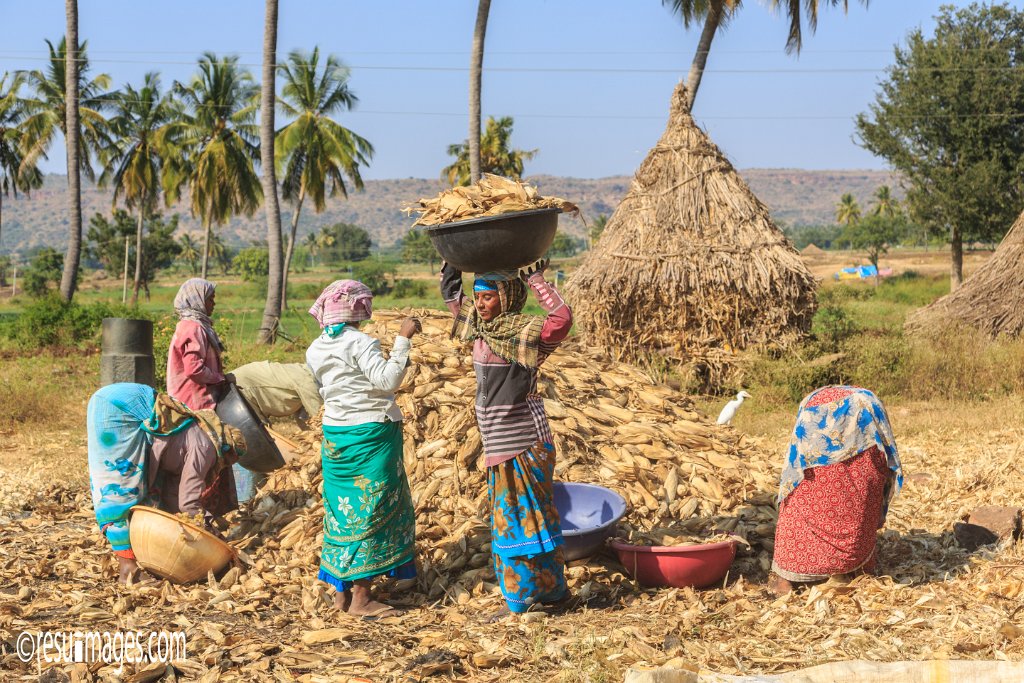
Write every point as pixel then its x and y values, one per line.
pixel 680 565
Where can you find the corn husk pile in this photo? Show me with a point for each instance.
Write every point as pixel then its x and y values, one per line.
pixel 491 196
pixel 268 619
pixel 612 427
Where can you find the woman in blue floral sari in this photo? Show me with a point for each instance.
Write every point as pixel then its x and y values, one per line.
pixel 146 448
pixel 841 471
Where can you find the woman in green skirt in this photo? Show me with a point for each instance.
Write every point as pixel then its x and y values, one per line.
pixel 369 523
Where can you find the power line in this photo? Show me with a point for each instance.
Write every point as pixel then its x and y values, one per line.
pixel 640 117
pixel 571 70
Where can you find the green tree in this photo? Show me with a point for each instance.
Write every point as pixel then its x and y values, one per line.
pixel 217 142
pixel 715 14
pixel 495 154
pixel 885 203
pixel 189 252
pixel 45 268
pixel 417 248
pixel 314 151
pixel 847 210
pixel 344 242
pixel 14 174
pixel 252 263
pixel 948 119
pixel 379 276
pixel 133 155
pixel 564 245
pixel 597 227
pixel 105 243
pixel 276 274
pixel 874 234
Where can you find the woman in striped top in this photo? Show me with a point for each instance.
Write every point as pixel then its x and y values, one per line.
pixel 519 453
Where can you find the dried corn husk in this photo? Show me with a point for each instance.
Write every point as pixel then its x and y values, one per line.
pixel 491 196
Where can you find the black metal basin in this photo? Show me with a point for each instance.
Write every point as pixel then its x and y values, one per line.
pixel 261 453
pixel 504 242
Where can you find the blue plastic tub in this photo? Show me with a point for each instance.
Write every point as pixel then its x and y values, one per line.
pixel 589 514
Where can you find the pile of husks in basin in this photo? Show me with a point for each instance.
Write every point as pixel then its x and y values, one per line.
pixel 682 476
pixel 491 196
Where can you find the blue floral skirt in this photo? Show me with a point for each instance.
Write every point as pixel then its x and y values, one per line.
pixel 526 532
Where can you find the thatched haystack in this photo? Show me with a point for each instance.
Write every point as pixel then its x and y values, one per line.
pixel 690 265
pixel 991 300
pixel 812 251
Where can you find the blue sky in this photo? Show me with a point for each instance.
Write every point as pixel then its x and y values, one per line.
pixel 588 81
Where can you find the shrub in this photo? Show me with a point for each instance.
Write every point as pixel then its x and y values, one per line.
pixel 410 289
pixel 50 321
pixel 253 264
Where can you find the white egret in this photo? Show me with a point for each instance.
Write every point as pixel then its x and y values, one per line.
pixel 729 411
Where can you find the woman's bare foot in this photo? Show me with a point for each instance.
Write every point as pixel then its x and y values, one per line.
pixel 129 570
pixel 362 605
pixel 342 599
pixel 779 585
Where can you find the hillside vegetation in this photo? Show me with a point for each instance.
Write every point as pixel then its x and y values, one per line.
pixel 794 197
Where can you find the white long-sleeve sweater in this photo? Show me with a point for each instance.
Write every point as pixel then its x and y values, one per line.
pixel 356 381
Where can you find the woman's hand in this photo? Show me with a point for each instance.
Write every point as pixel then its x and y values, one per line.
pixel 537 267
pixel 410 326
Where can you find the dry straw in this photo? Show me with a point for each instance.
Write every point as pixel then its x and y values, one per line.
pixel 989 300
pixel 691 265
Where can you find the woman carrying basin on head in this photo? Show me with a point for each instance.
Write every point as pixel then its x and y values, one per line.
pixel 369 523
pixel 841 471
pixel 519 452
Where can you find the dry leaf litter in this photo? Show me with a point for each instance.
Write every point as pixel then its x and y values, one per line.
pixel 268 619
pixel 491 196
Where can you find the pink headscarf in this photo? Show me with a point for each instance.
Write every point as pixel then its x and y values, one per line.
pixel 343 301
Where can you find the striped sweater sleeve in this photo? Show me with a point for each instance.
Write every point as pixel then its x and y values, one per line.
pixel 559 316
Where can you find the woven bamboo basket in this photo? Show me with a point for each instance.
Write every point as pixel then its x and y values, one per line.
pixel 174 549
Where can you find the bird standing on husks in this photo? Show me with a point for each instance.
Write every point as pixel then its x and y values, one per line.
pixel 729 411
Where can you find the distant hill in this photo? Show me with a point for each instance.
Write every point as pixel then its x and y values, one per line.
pixel 795 197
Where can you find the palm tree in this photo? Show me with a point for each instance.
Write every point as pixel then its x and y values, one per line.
pixel 273 306
pixel 46 111
pixel 14 175
pixel 495 155
pixel 313 245
pixel 219 253
pixel 476 67
pixel 132 158
pixel 716 14
pixel 215 145
pixel 847 210
pixel 885 204
pixel 189 253
pixel 66 101
pixel 314 151
pixel 69 278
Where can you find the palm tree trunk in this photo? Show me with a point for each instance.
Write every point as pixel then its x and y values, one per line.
pixel 138 259
pixel 275 279
pixel 711 23
pixel 290 248
pixel 206 245
pixel 476 67
pixel 69 278
pixel 956 258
